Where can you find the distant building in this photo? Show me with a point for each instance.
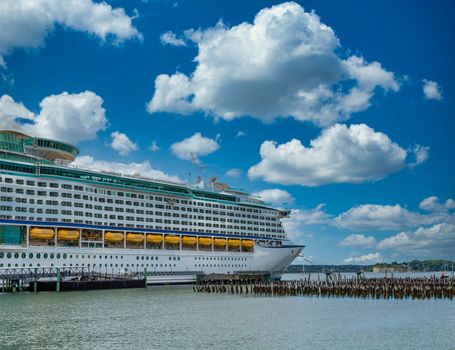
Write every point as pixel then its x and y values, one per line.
pixel 384 269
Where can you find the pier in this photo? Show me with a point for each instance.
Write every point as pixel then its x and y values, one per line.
pixel 357 287
pixel 65 279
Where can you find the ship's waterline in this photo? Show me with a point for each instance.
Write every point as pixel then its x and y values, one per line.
pixel 53 214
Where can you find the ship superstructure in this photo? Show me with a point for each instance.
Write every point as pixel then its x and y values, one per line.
pixel 56 214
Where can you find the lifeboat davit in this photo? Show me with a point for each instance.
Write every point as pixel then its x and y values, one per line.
pixel 172 239
pixel 234 243
pixel 188 240
pixel 247 243
pixel 113 237
pixel 64 234
pixel 41 233
pixel 220 242
pixel 135 238
pixel 205 241
pixel 154 239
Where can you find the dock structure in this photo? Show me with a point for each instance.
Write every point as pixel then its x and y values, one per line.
pixel 373 288
pixel 65 278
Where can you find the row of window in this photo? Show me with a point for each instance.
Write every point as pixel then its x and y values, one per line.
pixel 16 255
pixel 128 195
pixel 125 265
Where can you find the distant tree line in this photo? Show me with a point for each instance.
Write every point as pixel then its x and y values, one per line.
pixel 414 265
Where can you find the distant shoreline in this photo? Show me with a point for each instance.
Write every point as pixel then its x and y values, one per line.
pixel 412 266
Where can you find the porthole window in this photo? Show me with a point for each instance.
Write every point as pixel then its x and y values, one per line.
pixel 64 256
pixel 58 256
pixel 51 256
pixel 16 255
pixel 23 255
pixel 2 255
pixel 38 255
pixel 45 255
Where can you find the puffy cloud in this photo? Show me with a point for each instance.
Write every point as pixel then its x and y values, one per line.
pixel 27 23
pixel 435 241
pixel 432 204
pixel 420 154
pixel 122 144
pixel 143 169
pixel 275 196
pixel 154 146
pixel 194 146
pixel 431 90
pixel 67 117
pixel 10 110
pixel 393 217
pixel 340 154
pixel 233 172
pixel 368 258
pixel 240 133
pixel 377 217
pixel 283 64
pixel 355 240
pixel 295 225
pixel 169 38
pixel 171 94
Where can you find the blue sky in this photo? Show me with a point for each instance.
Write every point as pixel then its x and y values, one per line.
pixel 363 89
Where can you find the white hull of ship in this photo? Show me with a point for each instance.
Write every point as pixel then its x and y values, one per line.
pixel 163 266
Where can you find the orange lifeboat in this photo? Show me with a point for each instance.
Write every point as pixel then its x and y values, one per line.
pixel 205 241
pixel 189 240
pixel 168 239
pixel 247 243
pixel 64 234
pixel 154 239
pixel 41 233
pixel 234 243
pixel 113 237
pixel 135 238
pixel 219 242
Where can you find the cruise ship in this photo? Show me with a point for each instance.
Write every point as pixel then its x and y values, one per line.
pixel 54 214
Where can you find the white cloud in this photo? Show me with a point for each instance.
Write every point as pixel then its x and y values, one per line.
pixel 143 169
pixel 432 204
pixel 154 146
pixel 283 64
pixel 435 241
pixel 240 133
pixel 355 240
pixel 340 154
pixel 394 217
pixel 420 154
pixel 275 196
pixel 122 144
pixel 67 117
pixel 26 24
pixel 196 146
pixel 368 258
pixel 431 90
pixel 295 225
pixel 169 38
pixel 233 172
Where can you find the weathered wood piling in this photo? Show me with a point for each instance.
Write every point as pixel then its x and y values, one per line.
pixel 372 288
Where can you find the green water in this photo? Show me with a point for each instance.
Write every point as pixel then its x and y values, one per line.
pixel 175 317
